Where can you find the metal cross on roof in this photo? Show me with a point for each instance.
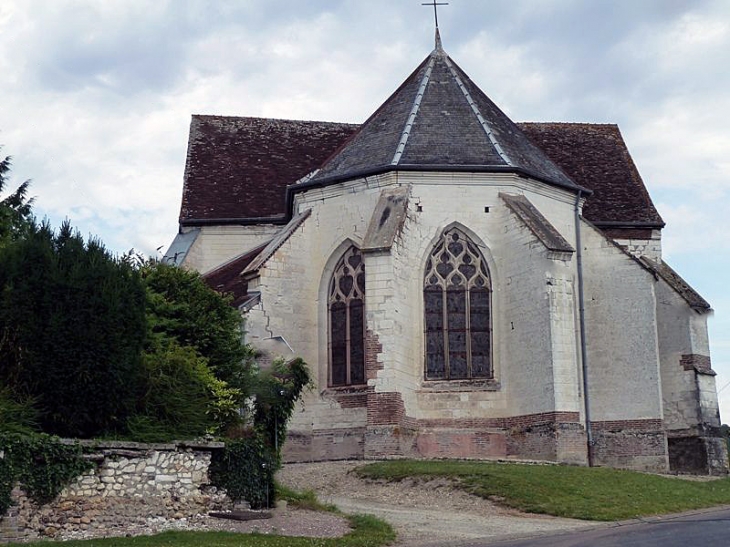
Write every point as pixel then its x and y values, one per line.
pixel 435 11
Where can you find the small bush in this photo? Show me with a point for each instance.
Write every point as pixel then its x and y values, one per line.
pixel 245 469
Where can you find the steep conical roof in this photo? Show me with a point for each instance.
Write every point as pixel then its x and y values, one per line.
pixel 439 120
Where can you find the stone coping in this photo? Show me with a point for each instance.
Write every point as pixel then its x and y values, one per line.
pixel 131 445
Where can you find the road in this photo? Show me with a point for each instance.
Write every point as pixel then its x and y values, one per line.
pixel 710 527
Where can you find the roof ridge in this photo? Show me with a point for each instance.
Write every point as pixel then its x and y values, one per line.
pixel 591 124
pixel 414 111
pixel 482 120
pixel 262 118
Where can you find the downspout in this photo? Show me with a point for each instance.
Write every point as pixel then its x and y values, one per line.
pixel 582 323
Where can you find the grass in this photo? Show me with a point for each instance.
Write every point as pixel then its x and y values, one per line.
pixel 564 491
pixel 367 532
pixel 303 500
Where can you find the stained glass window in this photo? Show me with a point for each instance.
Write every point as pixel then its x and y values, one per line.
pixel 346 305
pixel 457 297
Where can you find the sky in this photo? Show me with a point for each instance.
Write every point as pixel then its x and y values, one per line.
pixel 96 98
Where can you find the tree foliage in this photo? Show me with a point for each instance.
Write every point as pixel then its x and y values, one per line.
pixel 95 345
pixel 197 368
pixel 181 306
pixel 15 208
pixel 72 329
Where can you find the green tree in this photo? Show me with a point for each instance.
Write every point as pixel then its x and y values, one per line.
pixel 181 306
pixel 72 330
pixel 197 371
pixel 15 208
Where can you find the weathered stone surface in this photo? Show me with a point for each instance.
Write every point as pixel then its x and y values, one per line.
pixel 148 482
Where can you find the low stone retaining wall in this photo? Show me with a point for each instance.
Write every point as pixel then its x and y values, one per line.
pixel 130 484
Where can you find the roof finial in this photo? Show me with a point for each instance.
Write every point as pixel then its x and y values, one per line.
pixel 436 19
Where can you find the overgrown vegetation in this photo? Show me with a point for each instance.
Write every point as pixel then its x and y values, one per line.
pixel 564 491
pixel 95 345
pixel 367 531
pixel 41 464
pixel 197 372
pixel 246 467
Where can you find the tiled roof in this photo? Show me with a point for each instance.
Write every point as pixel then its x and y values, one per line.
pixel 226 278
pixel 596 156
pixel 238 168
pixel 439 120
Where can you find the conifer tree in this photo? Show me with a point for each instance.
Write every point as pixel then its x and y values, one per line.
pixel 72 329
pixel 15 208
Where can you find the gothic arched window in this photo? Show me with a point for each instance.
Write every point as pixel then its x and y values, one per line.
pixel 346 307
pixel 457 297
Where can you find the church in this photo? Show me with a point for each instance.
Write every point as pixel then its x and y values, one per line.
pixel 460 285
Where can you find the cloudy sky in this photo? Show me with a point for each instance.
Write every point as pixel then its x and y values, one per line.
pixel 96 97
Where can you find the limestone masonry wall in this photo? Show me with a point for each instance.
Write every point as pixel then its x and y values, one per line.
pixel 131 485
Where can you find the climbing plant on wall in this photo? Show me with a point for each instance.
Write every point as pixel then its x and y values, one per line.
pixel 42 465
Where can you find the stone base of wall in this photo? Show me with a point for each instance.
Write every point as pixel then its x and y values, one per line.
pixel 556 442
pixel 330 444
pixel 703 455
pixel 638 445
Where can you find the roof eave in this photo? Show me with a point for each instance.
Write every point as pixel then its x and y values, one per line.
pixel 327 181
pixel 240 221
pixel 628 224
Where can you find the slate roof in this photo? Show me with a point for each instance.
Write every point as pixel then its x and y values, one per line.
pixel 237 169
pixel 596 156
pixel 439 120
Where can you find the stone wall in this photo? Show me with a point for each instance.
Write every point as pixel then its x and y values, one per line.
pixel 130 485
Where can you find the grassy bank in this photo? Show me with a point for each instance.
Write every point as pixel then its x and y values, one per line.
pixel 565 491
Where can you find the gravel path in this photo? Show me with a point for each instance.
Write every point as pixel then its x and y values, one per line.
pixel 425 513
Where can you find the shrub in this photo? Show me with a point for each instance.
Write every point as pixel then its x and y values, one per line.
pixel 245 468
pixel 182 399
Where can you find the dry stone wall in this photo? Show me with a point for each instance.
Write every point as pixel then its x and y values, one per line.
pixel 131 485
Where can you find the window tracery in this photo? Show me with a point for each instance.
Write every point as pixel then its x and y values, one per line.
pixel 346 310
pixel 457 302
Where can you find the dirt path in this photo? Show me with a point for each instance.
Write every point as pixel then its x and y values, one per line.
pixel 429 513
